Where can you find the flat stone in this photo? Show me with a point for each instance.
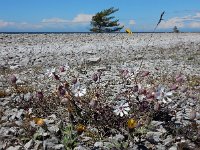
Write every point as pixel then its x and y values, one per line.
pixel 98 144
pixel 173 147
pixel 53 128
pixel 59 147
pixel 38 145
pixel 29 144
pixel 14 148
pixel 168 141
pixel 80 148
pixel 93 60
pixel 154 136
pixel 119 137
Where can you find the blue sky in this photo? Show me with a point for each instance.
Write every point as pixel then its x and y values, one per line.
pixel 75 15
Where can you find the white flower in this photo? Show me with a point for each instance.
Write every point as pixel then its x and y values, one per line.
pixel 50 72
pixel 79 90
pixel 163 95
pixel 122 108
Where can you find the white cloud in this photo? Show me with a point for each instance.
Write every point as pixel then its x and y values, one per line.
pixel 82 18
pixel 56 23
pixel 5 23
pixel 79 19
pixel 132 22
pixel 54 20
pixel 181 22
pixel 194 25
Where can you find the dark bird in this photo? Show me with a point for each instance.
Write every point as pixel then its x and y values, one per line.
pixel 161 18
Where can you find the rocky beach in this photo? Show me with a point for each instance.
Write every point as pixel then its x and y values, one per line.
pixel 62 91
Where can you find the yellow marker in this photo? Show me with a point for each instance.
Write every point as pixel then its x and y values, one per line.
pixel 129 31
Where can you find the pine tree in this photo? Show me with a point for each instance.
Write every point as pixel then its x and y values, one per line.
pixel 103 22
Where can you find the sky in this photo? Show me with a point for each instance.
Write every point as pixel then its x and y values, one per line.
pixel 75 15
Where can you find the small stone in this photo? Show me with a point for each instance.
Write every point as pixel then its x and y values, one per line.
pixel 49 143
pixel 65 101
pixel 59 147
pixel 154 136
pixel 53 129
pixel 160 147
pixel 13 79
pixel 19 114
pixel 119 137
pixel 19 82
pixel 98 144
pixel 38 145
pixel 19 123
pixel 28 96
pixel 108 144
pixel 156 123
pixel 192 115
pixel 168 141
pixel 198 116
pixel 93 60
pixel 80 148
pixel 85 139
pixel 173 147
pixel 29 144
pixel 49 121
pixel 53 116
pixel 14 148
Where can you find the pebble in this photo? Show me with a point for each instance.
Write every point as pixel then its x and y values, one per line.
pixel 98 144
pixel 29 144
pixel 14 148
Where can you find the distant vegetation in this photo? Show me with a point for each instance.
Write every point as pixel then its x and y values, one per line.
pixel 103 22
pixel 175 29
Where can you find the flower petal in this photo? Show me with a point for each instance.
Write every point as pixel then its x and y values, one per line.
pixel 169 99
pixel 162 89
pixel 164 101
pixel 121 114
pixel 116 112
pixel 127 108
pixel 125 112
pixel 125 105
pixel 168 93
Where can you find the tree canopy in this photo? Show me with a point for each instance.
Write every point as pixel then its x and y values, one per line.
pixel 103 22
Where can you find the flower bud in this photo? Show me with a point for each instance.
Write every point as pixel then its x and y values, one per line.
pixel 174 87
pixel 180 79
pixel 131 123
pixel 145 73
pixel 74 80
pixel 13 79
pixel 62 69
pixel 184 89
pixel 150 96
pixel 135 88
pixel 193 114
pixel 142 91
pixel 97 94
pixel 40 95
pixel 56 76
pixel 62 92
pixel 95 77
pixel 156 106
pixel 93 103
